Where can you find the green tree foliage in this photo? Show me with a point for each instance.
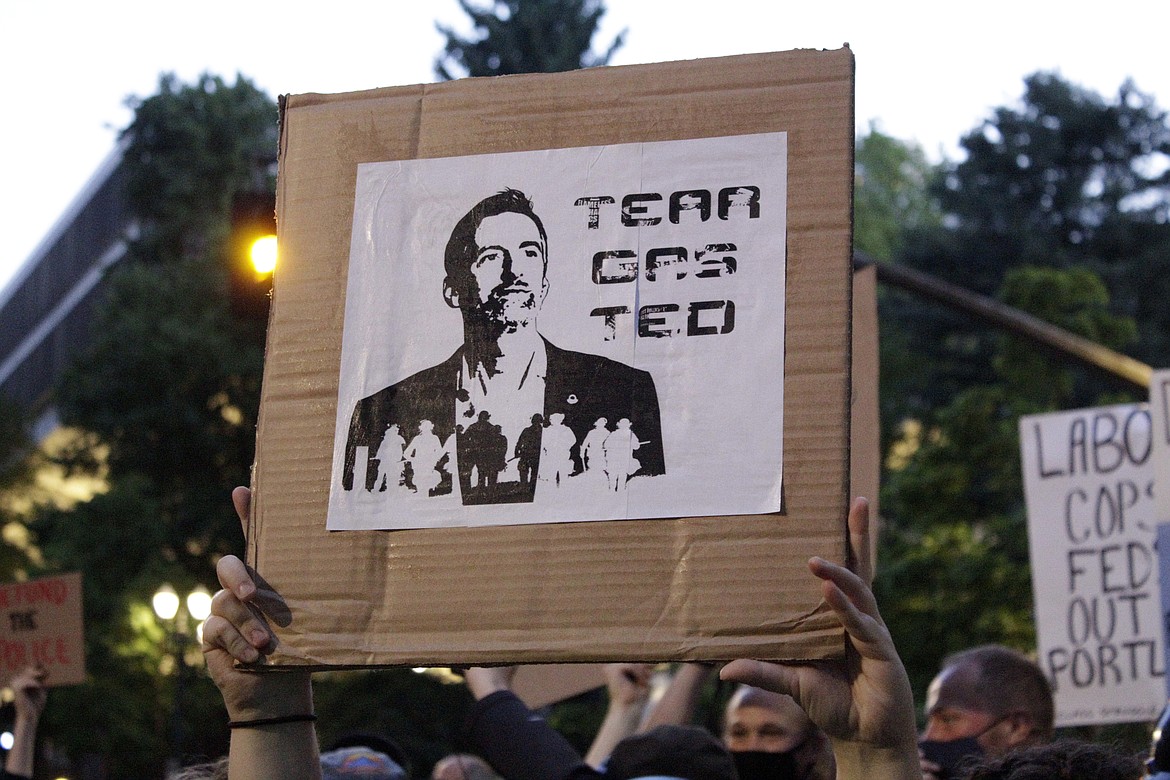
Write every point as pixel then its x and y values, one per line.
pixel 1059 209
pixel 18 462
pixel 193 150
pixel 954 563
pixel 1064 179
pixel 166 395
pixel 171 388
pixel 891 199
pixel 891 194
pixel 525 36
pixel 166 398
pixel 170 381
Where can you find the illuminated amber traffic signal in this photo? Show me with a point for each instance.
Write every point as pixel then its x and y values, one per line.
pixel 263 255
pixel 252 253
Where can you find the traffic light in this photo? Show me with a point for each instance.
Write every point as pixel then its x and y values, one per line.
pixel 252 253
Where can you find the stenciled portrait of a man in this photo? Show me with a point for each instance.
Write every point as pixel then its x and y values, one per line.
pixel 550 336
pixel 508 408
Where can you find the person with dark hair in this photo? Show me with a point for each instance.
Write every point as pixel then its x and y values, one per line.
pixel 496 264
pixel 684 752
pixel 1061 760
pixel 988 700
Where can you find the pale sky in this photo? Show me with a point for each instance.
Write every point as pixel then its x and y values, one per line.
pixel 926 71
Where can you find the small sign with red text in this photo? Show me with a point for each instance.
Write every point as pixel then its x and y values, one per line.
pixel 41 625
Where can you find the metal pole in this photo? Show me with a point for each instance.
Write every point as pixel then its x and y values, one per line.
pixel 178 637
pixel 1017 322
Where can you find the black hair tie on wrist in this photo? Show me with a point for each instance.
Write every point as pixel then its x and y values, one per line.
pixel 251 724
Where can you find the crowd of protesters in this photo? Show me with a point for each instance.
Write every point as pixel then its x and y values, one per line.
pixel 989 712
pixel 853 717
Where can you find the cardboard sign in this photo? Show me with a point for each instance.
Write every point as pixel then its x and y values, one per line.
pixel 41 624
pixel 1088 479
pixel 756 429
pixel 865 457
pixel 1163 538
pixel 544 684
pixel 1160 459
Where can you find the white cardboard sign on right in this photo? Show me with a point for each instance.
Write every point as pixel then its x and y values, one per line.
pixel 1160 457
pixel 1092 521
pixel 1160 424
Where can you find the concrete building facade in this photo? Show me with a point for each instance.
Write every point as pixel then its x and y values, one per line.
pixel 47 308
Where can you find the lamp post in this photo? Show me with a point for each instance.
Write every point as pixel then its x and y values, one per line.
pixel 177 614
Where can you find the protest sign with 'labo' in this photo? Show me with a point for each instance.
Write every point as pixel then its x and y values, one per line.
pixel 1089 485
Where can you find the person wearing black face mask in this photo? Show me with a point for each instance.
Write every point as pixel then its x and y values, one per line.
pixel 862 703
pixel 771 738
pixel 768 734
pixel 949 757
pixel 856 715
pixel 989 701
pixel 759 765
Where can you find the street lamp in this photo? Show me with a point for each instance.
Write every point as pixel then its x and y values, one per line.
pixel 169 607
pixel 199 605
pixel 165 602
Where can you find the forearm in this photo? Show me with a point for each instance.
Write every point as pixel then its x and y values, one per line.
pixel 677 705
pixel 274 751
pixel 285 751
pixel 24 738
pixel 621 720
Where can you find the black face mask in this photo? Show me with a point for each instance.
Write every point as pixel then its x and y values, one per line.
pixel 757 765
pixel 950 755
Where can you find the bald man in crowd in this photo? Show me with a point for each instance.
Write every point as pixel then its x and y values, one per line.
pixel 770 736
pixel 463 766
pixel 989 700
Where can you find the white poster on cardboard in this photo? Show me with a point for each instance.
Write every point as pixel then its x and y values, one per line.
pixel 564 335
pixel 1088 483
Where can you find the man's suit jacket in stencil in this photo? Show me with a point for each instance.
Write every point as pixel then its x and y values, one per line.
pixel 581 386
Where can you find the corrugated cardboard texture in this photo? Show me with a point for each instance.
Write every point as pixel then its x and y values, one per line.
pixel 865 428
pixel 687 588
